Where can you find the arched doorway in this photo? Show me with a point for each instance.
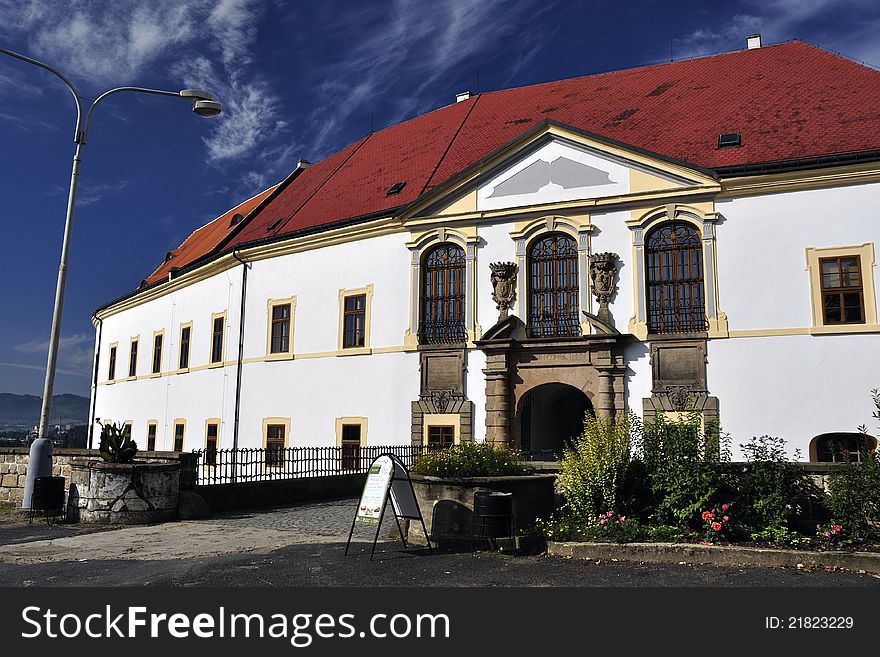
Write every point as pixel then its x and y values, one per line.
pixel 550 414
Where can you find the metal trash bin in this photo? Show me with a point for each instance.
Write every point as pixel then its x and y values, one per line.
pixel 48 496
pixel 493 517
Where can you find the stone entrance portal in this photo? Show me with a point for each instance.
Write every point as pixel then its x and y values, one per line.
pixel 549 415
pixel 545 369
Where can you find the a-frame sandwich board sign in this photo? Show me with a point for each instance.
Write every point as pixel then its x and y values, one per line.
pixel 387 476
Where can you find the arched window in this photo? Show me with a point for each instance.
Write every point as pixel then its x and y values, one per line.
pixel 553 287
pixel 841 447
pixel 441 320
pixel 676 296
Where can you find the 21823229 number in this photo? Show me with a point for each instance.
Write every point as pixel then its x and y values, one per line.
pixel 808 622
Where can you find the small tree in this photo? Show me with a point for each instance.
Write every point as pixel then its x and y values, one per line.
pixel 116 445
pixel 594 466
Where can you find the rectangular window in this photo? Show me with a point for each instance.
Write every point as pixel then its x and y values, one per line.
pixel 111 370
pixel 178 436
pixel 157 353
pixel 151 437
pixel 184 347
pixel 354 321
pixel 441 436
pixel 351 447
pixel 211 444
pixel 217 339
pixel 274 445
pixel 126 429
pixel 280 338
pixel 842 294
pixel 133 358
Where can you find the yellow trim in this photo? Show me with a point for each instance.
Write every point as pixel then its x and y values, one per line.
pixel 189 351
pixel 367 291
pixel 153 374
pixel 530 228
pixel 177 421
pixel 131 341
pixel 221 362
pixel 276 420
pixel 796 181
pixel 360 421
pixel 865 253
pixel 270 304
pixel 151 423
pixel 702 216
pixel 442 420
pixel 112 357
pixel 212 420
pixel 701 181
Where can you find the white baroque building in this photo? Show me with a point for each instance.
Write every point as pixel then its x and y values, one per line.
pixel 693 234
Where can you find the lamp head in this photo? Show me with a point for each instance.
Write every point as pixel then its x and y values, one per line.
pixel 195 94
pixel 207 108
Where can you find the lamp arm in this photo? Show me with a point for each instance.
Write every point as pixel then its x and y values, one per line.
pixel 67 82
pixel 83 134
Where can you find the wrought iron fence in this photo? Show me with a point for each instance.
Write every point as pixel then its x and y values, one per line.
pixel 226 466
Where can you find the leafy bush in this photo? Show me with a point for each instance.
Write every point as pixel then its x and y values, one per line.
pixel 116 445
pixel 772 491
pixel 854 490
pixel 854 497
pixel 681 460
pixel 717 523
pixel 470 460
pixel 605 528
pixel 594 465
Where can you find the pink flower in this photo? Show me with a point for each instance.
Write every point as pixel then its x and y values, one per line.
pixel 610 513
pixel 724 507
pixel 622 518
pixel 837 528
pixel 602 521
pixel 707 515
pixel 818 526
pixel 826 534
pixel 716 526
pixel 726 518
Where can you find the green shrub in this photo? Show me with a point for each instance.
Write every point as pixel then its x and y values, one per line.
pixel 854 497
pixel 681 461
pixel 116 445
pixel 772 490
pixel 594 465
pixel 604 528
pixel 470 460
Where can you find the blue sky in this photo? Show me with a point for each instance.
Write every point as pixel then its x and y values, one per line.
pixel 297 80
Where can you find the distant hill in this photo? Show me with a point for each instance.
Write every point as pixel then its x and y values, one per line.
pixel 23 411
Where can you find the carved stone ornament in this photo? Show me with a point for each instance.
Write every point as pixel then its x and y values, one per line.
pixel 503 286
pixel 603 267
pixel 679 397
pixel 441 400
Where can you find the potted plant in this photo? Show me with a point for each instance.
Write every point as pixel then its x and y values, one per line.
pixel 118 489
pixel 446 481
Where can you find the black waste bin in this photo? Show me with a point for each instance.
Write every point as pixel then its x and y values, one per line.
pixel 48 496
pixel 493 516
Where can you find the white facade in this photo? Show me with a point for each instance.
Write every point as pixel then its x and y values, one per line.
pixel 771 364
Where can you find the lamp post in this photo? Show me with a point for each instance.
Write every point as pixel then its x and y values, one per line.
pixel 40 457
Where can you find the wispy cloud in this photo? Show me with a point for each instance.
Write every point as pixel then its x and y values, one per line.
pixel 204 43
pixel 90 193
pixel 75 352
pixel 781 20
pixel 403 49
pixel 42 368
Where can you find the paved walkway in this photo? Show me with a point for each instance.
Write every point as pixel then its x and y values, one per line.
pixel 227 533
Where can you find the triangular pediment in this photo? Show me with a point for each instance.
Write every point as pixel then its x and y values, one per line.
pixel 558 166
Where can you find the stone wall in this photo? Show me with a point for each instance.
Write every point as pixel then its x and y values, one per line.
pixel 13 468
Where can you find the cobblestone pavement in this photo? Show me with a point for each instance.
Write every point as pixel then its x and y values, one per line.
pixel 225 533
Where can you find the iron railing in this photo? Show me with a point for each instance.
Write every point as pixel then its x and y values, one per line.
pixel 226 466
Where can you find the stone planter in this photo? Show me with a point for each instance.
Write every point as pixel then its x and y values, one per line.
pixel 123 493
pixel 447 505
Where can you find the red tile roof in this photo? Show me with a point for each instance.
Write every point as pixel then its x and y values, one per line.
pixel 789 101
pixel 202 240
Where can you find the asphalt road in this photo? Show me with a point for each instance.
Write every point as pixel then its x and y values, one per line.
pixel 302 546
